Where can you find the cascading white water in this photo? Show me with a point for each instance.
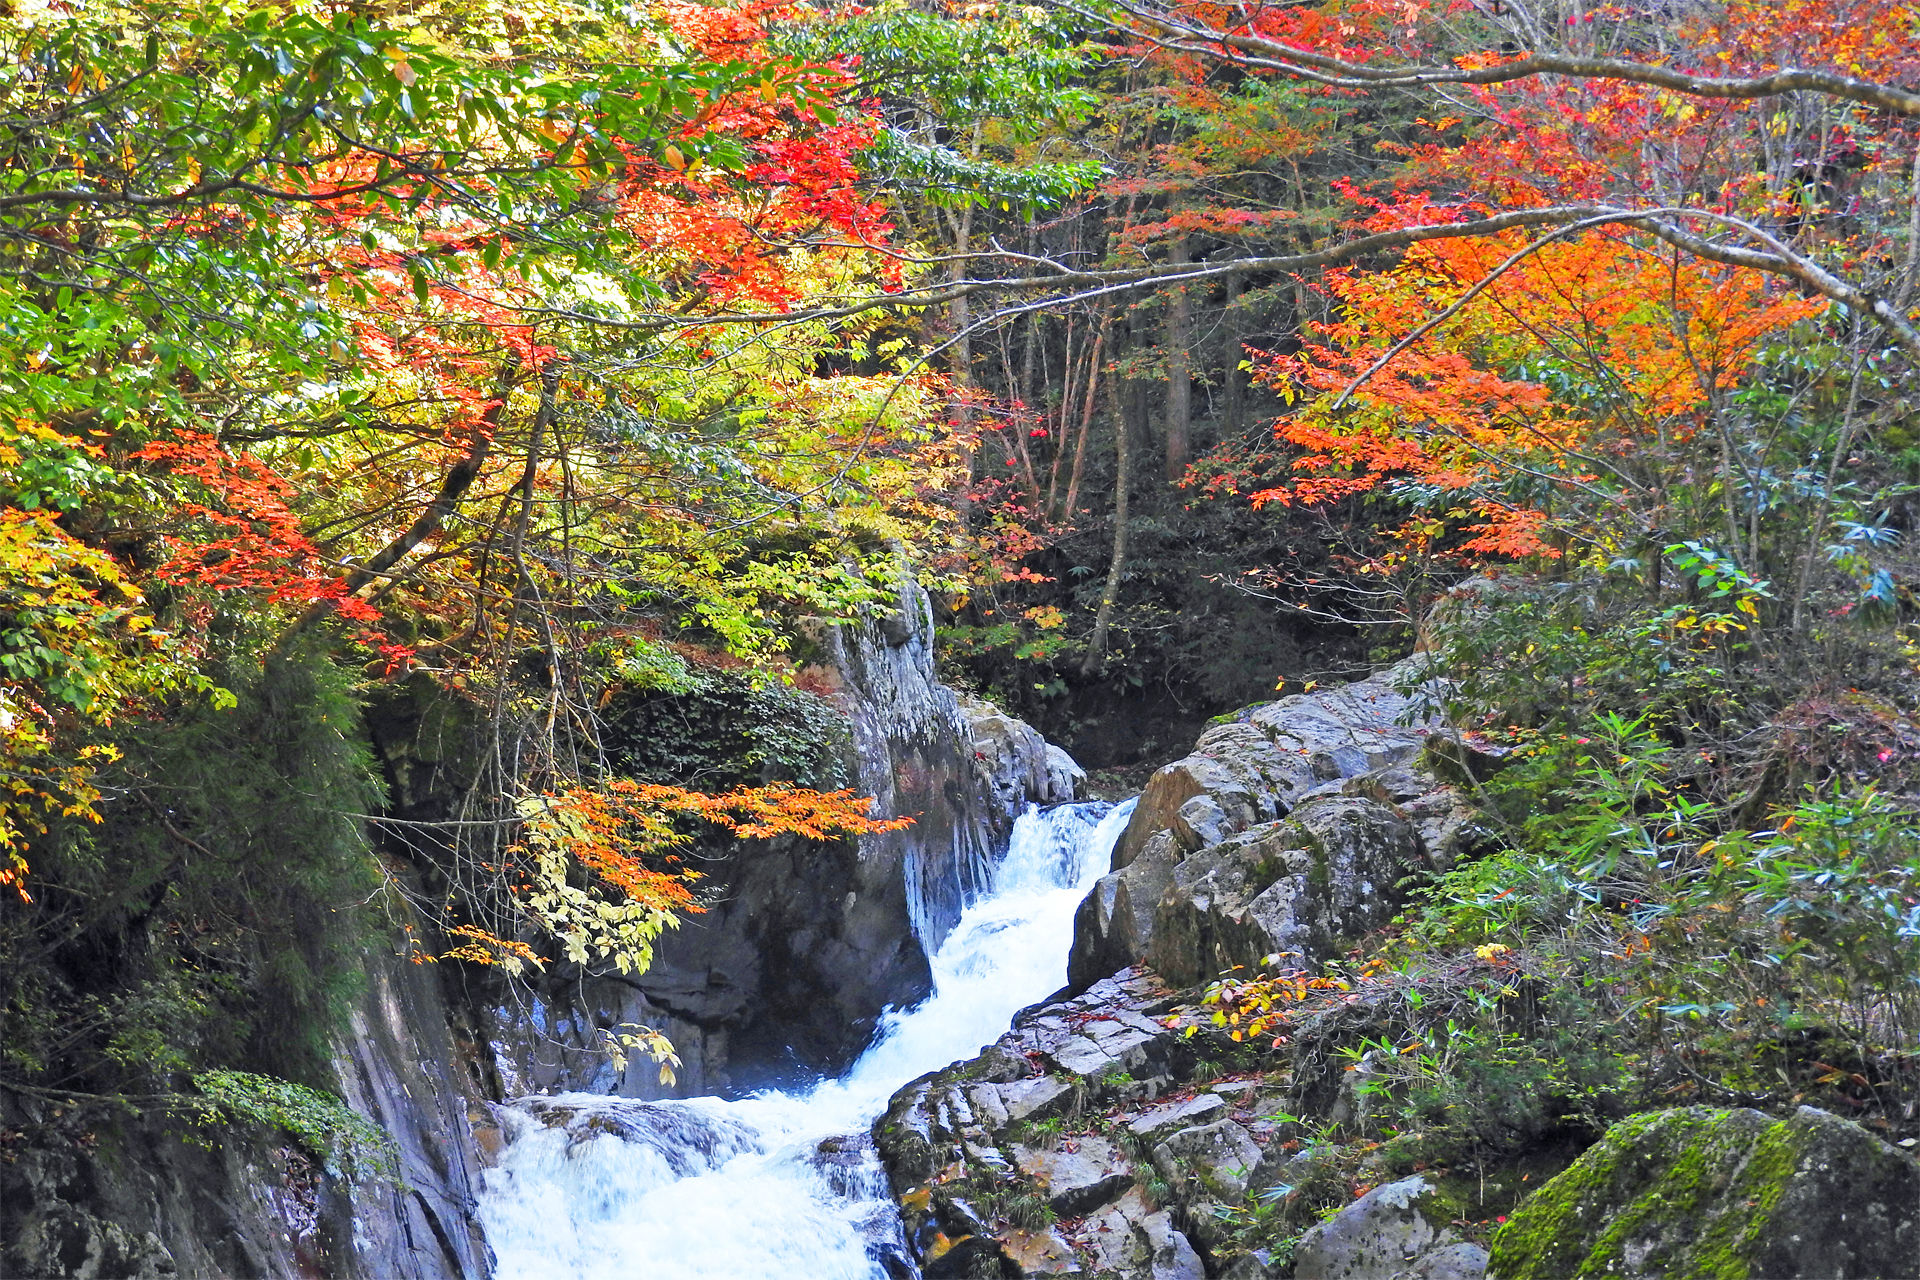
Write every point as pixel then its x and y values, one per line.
pixel 598 1187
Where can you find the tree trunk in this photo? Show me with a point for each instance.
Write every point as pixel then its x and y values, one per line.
pixel 1086 420
pixel 1097 643
pixel 1179 339
pixel 1234 410
pixel 960 366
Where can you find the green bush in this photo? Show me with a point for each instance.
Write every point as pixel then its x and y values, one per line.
pixel 346 1143
pixel 216 917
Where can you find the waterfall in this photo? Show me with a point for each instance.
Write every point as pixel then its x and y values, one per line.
pixel 782 1185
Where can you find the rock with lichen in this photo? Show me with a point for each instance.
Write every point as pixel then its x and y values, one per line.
pixel 1733 1195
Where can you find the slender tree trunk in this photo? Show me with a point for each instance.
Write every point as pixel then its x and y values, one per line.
pixel 1086 420
pixel 1017 425
pixel 1063 437
pixel 1096 657
pixel 1179 339
pixel 960 367
pixel 1234 408
pixel 960 362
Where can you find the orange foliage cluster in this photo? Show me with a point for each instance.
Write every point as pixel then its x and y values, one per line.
pixel 258 544
pixel 611 830
pixel 1668 334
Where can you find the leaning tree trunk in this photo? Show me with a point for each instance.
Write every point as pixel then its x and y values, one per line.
pixel 1097 643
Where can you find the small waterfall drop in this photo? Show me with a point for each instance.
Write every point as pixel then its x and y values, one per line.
pixel 785 1185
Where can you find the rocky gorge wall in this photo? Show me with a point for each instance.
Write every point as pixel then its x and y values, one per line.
pixel 804 945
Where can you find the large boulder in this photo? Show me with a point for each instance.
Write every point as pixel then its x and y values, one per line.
pixel 1737 1195
pixel 1304 888
pixel 1205 840
pixel 1257 766
pixel 1114 922
pixel 1397 1230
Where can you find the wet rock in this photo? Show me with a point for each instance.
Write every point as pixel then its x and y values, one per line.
pixel 964 768
pixel 1017 765
pixel 1737 1194
pixel 1079 1180
pixel 88 1192
pixel 1115 921
pixel 1219 1156
pixel 1377 1237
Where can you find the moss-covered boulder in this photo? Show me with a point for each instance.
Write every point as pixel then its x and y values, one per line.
pixel 1721 1195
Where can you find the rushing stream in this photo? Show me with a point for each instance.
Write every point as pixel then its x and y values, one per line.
pixel 599 1187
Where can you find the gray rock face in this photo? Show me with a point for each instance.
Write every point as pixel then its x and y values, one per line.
pixel 1380 1236
pixel 1220 1156
pixel 1090 1175
pixel 1169 1255
pixel 1303 888
pixel 1460 1261
pixel 1257 767
pixel 101 1194
pixel 400 1068
pixel 1163 1121
pixel 1726 1193
pixel 1207 857
pixel 964 771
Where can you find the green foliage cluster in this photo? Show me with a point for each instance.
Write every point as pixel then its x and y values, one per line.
pixel 345 1142
pixel 714 728
pixel 214 918
pixel 1700 888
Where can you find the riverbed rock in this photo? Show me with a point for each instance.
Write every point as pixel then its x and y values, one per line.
pixel 1736 1194
pixel 1159 1123
pixel 1380 1236
pixel 1089 1173
pixel 970 1136
pixel 1201 848
pixel 1304 889
pixel 1219 1156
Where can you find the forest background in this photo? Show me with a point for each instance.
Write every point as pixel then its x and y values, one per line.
pixel 527 361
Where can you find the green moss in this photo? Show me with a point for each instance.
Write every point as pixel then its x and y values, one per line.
pixel 1690 1194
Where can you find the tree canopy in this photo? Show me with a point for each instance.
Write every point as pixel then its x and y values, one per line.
pixel 530 353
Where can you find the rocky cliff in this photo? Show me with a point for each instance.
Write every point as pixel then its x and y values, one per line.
pixel 1124 1130
pixel 805 943
pixel 92 1189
